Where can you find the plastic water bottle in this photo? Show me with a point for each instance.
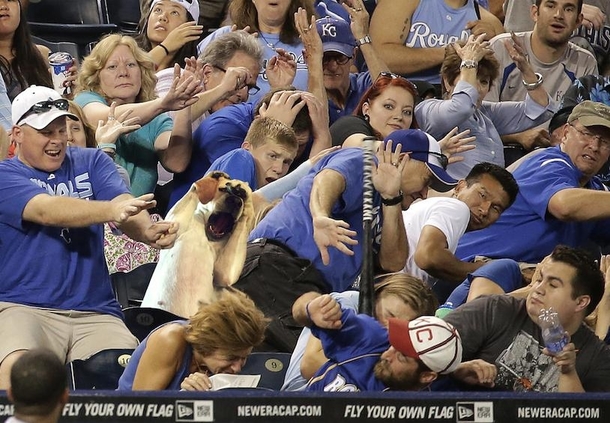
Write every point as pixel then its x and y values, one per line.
pixel 553 333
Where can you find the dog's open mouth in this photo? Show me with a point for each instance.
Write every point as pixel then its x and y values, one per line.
pixel 221 222
pixel 219 225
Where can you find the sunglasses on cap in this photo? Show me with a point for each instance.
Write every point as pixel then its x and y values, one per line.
pixel 444 160
pixel 45 106
pixel 392 75
pixel 252 88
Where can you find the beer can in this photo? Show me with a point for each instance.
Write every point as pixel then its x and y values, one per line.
pixel 60 62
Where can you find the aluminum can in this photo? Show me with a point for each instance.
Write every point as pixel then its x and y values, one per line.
pixel 60 62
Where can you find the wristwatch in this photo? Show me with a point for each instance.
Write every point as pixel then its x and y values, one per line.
pixel 364 40
pixel 469 64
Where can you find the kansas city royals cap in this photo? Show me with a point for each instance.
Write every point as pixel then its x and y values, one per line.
pixel 429 339
pixel 423 147
pixel 336 36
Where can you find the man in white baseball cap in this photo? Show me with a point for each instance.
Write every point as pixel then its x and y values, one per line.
pixel 364 356
pixel 54 200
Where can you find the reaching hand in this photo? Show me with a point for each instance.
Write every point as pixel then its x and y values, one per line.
pixel 476 372
pixel 359 17
pixel 281 69
pixel 475 48
pixel 162 235
pixel 183 92
pixel 328 232
pixel 312 43
pixel 453 144
pixel 108 132
pixel 387 176
pixel 181 35
pixel 486 29
pixel 124 209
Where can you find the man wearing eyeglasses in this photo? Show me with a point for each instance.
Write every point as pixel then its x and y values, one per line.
pixel 434 226
pixel 55 289
pixel 560 199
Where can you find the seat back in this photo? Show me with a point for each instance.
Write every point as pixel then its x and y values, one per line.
pixel 142 320
pixel 123 13
pixel 100 371
pixel 271 366
pixel 130 287
pixel 66 12
pixel 66 46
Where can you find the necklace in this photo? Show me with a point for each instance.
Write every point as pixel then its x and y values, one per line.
pixel 269 44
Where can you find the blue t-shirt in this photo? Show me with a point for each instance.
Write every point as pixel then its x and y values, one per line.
pixel 358 84
pixel 504 272
pixel 218 134
pixel 136 151
pixel 50 266
pixel 238 164
pixel 290 222
pixel 351 355
pixel 526 231
pixel 269 42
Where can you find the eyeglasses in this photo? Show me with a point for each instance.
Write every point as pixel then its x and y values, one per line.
pixel 252 88
pixel 45 106
pixel 604 143
pixel 441 157
pixel 338 58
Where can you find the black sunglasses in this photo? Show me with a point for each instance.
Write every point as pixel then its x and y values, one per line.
pixel 441 157
pixel 252 88
pixel 45 106
pixel 339 58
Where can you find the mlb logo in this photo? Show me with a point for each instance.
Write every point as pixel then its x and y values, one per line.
pixel 194 411
pixel 478 412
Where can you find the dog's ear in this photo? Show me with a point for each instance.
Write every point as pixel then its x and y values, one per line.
pixel 206 189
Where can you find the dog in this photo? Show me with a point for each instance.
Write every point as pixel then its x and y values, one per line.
pixel 215 216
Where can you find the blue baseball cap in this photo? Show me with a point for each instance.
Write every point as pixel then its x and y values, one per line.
pixel 423 147
pixel 336 36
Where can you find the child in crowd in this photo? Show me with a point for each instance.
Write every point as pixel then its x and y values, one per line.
pixel 265 155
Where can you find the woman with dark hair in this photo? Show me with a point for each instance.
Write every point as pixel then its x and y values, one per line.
pixel 169 32
pixel 274 23
pixel 22 63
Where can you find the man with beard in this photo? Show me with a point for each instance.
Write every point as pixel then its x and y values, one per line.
pixel 556 61
pixel 407 356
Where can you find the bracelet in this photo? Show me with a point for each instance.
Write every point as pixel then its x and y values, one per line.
pixel 533 85
pixel 107 145
pixel 364 40
pixel 307 311
pixel 164 48
pixel 469 64
pixel 392 201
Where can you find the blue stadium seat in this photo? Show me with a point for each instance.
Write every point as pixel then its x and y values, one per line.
pixel 271 366
pixel 130 287
pixel 100 371
pixel 142 320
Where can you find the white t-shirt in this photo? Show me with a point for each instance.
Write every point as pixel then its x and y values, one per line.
pixel 450 215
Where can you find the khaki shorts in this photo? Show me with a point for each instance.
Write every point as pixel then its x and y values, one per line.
pixel 70 334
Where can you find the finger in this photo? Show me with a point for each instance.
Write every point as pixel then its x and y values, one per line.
pixel 344 249
pixel 324 255
pixel 124 115
pixel 111 110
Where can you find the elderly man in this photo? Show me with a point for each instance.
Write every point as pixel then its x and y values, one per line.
pixel 54 200
pixel 408 356
pixel 560 199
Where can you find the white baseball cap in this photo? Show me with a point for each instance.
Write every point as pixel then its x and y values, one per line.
pixel 38 106
pixel 429 339
pixel 191 6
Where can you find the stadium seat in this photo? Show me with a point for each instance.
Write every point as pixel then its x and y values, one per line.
pixel 64 46
pixel 142 320
pixel 100 371
pixel 271 366
pixel 130 287
pixel 123 13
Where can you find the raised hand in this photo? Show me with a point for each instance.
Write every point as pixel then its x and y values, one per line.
pixel 124 209
pixel 387 176
pixel 312 43
pixel 454 143
pixel 181 35
pixel 109 131
pixel 281 69
pixel 359 17
pixel 328 232
pixel 183 92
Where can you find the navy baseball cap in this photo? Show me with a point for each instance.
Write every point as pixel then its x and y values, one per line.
pixel 336 36
pixel 423 147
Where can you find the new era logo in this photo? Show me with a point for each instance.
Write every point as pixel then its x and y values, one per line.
pixel 194 411
pixel 478 412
